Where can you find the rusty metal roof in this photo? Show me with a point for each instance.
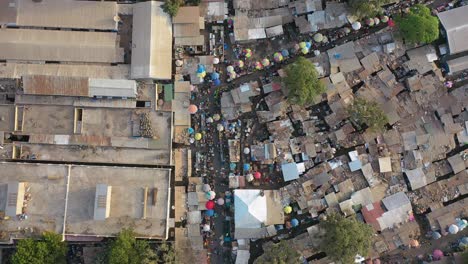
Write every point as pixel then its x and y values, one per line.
pixel 55 85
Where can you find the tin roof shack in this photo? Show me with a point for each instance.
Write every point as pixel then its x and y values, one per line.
pixel 237 101
pixel 254 210
pixel 343 58
pixel 440 219
pixel 61 14
pixel 421 59
pixel 265 153
pixel 456 28
pixel 152 42
pixel 457 65
pixel 398 210
pixel 187 25
pixel 51 205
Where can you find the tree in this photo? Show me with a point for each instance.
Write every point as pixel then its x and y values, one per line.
pixel 49 250
pixel 366 112
pixel 278 254
pixel 366 8
pixel 302 82
pixel 418 25
pixel 172 7
pixel 345 238
pixel 125 249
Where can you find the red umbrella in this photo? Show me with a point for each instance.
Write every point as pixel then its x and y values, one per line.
pixel 437 254
pixel 391 23
pixel 257 175
pixel 210 205
pixel 192 109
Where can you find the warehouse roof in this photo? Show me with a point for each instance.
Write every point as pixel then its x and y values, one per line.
pixel 152 42
pixel 456 26
pixel 57 45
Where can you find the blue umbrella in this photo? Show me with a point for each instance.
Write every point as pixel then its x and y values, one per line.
pixel 294 222
pixel 217 82
pixel 190 130
pixel 201 68
pixel 233 166
pixel 209 212
pixel 214 76
pixel 246 166
pixel 308 45
pixel 285 53
pixel 436 235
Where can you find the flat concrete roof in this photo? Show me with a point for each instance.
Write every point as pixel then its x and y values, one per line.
pixel 7 117
pixel 48 119
pixel 51 201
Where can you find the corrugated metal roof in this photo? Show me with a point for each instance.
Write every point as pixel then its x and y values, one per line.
pixel 187 15
pixel 55 85
pixel 7 11
pixel 458 64
pixel 152 42
pixel 57 45
pixel 67 14
pixel 112 88
pixel 456 26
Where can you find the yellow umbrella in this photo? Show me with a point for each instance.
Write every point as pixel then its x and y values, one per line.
pixel 198 136
pixel 302 45
pixel 287 209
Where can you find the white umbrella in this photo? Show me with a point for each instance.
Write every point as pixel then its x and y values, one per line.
pixel 246 150
pixel 206 228
pixel 209 120
pixel 356 25
pixel 453 229
pixel 211 195
pixel 206 188
pixel 316 52
pixel 220 127
pixel 215 60
pixel 324 39
pixel 249 177
pixel 318 37
pixel 220 201
pixel 179 63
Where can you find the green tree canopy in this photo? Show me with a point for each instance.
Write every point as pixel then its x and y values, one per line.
pixel 49 250
pixel 125 249
pixel 278 254
pixel 302 82
pixel 369 113
pixel 172 7
pixel 344 238
pixel 418 26
pixel 366 8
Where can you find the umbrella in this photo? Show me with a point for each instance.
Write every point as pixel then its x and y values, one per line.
pixel 240 63
pixel 215 60
pixel 209 213
pixel 230 68
pixel 210 195
pixel 258 65
pixel 277 57
pixel 318 37
pixel 206 188
pixel 285 53
pixel 216 117
pixel 325 39
pixel 257 175
pixel 414 243
pixel 376 20
pixel 305 50
pixel 210 205
pixel 347 30
pixel 220 201
pixel 214 75
pixel 192 109
pixel 294 222
pixel 391 23
pixel 453 229
pixel 198 136
pixel 370 22
pixel 206 228
pixel 192 88
pixel 233 166
pixel 190 130
pixel 462 223
pixel 265 62
pixel 200 68
pixel 201 74
pixel 437 254
pixel 316 52
pixel 436 235
pixel 246 150
pixel 248 53
pixel 249 177
pixel 287 209
pixel 308 44
pixel 356 25
pixel 384 19
pixel 246 166
pixel 217 82
pixel 220 127
pixel 191 140
pixel 464 241
pixel 232 75
pixel 302 45
pixel 179 63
